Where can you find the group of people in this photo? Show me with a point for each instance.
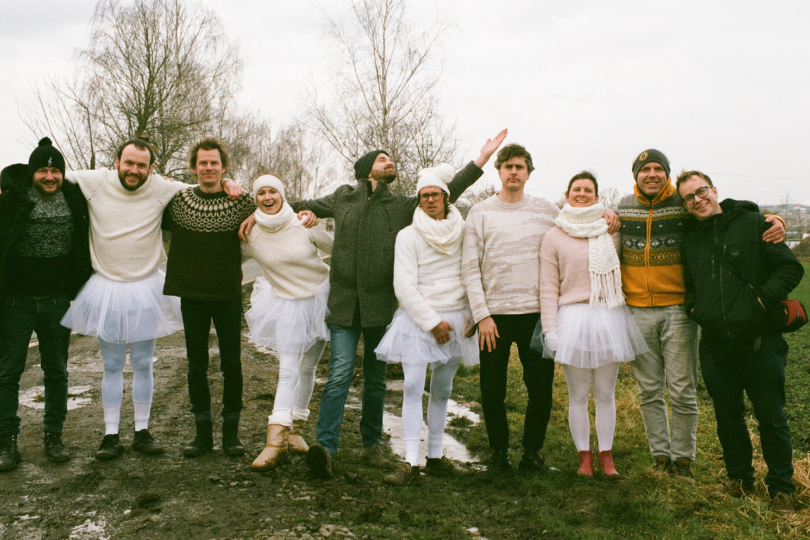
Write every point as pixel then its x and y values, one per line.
pixel 583 286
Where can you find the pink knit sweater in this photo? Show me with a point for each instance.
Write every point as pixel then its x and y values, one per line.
pixel 564 277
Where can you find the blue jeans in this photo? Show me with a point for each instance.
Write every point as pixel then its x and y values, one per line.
pixel 729 369
pixel 343 353
pixel 19 317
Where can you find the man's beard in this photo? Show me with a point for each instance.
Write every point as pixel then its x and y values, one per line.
pixel 141 180
pixel 386 177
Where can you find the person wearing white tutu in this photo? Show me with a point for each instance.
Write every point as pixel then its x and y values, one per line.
pixel 288 311
pixel 429 326
pixel 588 329
pixel 123 302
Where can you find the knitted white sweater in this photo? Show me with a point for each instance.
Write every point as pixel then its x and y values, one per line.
pixel 426 281
pixel 289 257
pixel 126 243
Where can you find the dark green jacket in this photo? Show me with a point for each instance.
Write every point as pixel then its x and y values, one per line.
pixel 363 253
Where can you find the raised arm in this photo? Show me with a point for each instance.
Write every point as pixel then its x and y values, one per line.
pixel 323 207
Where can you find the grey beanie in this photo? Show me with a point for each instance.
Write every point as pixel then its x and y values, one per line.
pixel 647 156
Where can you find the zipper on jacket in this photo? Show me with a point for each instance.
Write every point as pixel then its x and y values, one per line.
pixel 720 273
pixel 647 255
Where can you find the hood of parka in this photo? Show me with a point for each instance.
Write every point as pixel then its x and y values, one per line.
pixel 15 178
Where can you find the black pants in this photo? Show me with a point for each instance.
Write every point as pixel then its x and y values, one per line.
pixel 731 369
pixel 227 318
pixel 538 375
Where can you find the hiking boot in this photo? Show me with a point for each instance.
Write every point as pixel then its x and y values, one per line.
pixel 443 466
pixel 405 475
pixel 55 449
pixel 373 457
pixel 110 448
pixel 662 464
pixel 144 443
pixel 231 445
pixel 319 461
pixel 9 453
pixel 735 488
pixel 533 462
pixel 683 469
pixel 783 503
pixel 499 467
pixel 203 442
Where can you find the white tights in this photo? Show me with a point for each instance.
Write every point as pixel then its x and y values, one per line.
pixel 296 380
pixel 604 388
pixel 441 384
pixel 114 356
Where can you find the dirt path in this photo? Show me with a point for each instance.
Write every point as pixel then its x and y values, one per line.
pixel 167 496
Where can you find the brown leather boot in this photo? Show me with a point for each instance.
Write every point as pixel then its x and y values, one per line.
pixel 295 439
pixel 606 464
pixel 276 449
pixel 586 463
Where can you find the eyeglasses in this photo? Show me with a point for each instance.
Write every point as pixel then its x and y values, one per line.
pixel 701 192
pixel 427 196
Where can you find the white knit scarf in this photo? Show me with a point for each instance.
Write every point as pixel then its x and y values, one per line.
pixel 274 222
pixel 603 262
pixel 442 235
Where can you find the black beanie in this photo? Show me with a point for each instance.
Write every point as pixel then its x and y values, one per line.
pixel 45 155
pixel 362 167
pixel 648 156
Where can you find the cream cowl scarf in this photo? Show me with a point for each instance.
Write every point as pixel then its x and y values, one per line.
pixel 603 262
pixel 444 235
pixel 274 222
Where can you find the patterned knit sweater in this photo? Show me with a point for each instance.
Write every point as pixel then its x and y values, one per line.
pixel 501 256
pixel 652 232
pixel 204 256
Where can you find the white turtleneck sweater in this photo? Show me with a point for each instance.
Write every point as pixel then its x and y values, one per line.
pixel 289 257
pixel 426 281
pixel 126 243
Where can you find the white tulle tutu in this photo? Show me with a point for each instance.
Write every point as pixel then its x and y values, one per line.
pixel 405 342
pixel 124 311
pixel 589 338
pixel 287 325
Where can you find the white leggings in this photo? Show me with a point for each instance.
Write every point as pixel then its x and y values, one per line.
pixel 296 380
pixel 604 388
pixel 441 384
pixel 114 356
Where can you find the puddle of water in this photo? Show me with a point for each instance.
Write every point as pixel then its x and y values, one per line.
pixel 34 397
pixel 89 530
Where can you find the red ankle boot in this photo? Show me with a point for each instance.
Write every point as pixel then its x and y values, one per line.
pixel 586 463
pixel 606 463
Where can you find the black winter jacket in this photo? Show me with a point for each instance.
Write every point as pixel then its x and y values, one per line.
pixel 362 267
pixel 723 302
pixel 15 207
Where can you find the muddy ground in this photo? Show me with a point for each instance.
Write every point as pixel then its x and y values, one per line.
pixel 171 496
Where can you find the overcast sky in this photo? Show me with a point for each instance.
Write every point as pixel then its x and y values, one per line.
pixel 719 86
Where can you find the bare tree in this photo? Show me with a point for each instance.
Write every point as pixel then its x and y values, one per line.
pixel 610 197
pixel 163 67
pixel 385 81
pixel 302 163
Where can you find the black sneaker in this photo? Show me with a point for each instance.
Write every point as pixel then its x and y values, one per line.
pixel 110 448
pixel 55 449
pixel 9 453
pixel 444 466
pixel 535 463
pixel 319 461
pixel 144 443
pixel 499 467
